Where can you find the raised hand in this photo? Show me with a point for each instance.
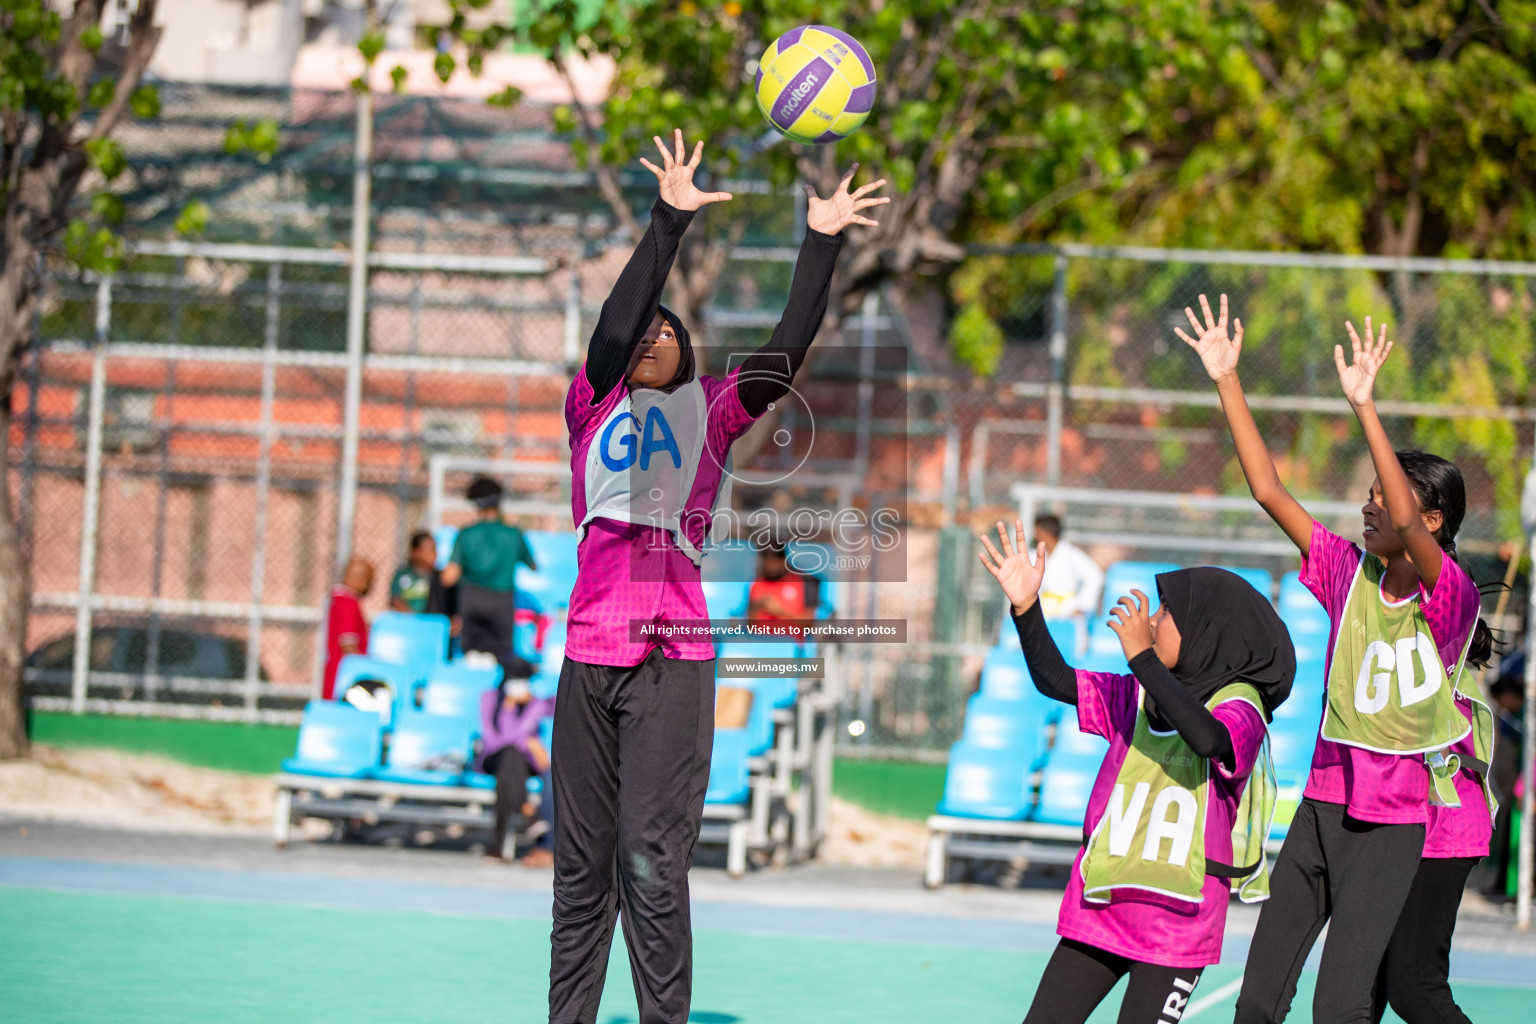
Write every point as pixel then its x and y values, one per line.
pixel 829 216
pixel 1131 619
pixel 676 175
pixel 1020 578
pixel 1216 349
pixel 1358 378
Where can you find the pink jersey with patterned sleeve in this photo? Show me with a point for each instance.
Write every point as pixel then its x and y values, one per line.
pixel 1387 788
pixel 1146 926
pixel 629 572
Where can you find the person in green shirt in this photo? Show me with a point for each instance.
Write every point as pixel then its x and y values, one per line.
pixel 412 582
pixel 483 566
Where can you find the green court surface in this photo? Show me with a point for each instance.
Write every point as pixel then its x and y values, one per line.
pixel 78 956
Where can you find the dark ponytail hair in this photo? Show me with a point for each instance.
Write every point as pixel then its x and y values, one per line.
pixel 1440 488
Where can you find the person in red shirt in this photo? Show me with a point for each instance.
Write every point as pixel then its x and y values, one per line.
pixel 779 592
pixel 346 631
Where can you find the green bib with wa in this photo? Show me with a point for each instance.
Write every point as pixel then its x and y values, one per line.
pixel 1152 834
pixel 1389 691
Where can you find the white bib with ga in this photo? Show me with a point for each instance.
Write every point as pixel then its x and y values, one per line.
pixel 643 461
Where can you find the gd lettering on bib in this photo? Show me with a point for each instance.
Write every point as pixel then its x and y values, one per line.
pixel 643 461
pixel 1388 690
pixel 1152 834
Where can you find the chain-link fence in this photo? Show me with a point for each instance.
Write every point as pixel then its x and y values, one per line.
pixel 177 438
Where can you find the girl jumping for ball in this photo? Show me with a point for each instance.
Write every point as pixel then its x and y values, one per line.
pixel 1173 822
pixel 650 438
pixel 1405 625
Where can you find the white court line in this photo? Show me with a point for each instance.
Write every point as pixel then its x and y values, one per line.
pixel 1204 1003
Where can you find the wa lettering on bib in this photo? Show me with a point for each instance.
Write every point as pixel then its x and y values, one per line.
pixel 1152 834
pixel 643 462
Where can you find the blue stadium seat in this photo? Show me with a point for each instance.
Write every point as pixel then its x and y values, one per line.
pixel 1005 676
pixel 1123 577
pixel 444 536
pixel 1289 786
pixel 455 689
pixel 1291 740
pixel 336 740
pixel 732 561
pixel 402 681
pixel 551 584
pixel 1260 579
pixel 420 739
pixel 726 599
pixel 1104 652
pixel 985 782
pixel 1306 698
pixel 1002 724
pixel 777 691
pixel 546 678
pixel 728 772
pixel 1066 779
pixel 402 638
pixel 1311 645
pixel 1064 631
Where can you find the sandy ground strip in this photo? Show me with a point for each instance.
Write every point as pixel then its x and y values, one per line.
pixel 139 791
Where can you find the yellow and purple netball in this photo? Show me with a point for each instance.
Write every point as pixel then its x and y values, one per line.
pixel 815 84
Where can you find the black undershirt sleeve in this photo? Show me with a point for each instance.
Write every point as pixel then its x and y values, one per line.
pixel 766 374
pixel 1050 672
pixel 634 299
pixel 1204 733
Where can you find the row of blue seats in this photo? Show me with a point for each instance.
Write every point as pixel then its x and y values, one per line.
pixel 727 572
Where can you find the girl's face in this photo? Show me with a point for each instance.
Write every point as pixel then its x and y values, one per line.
pixel 656 358
pixel 1165 637
pixel 1377 535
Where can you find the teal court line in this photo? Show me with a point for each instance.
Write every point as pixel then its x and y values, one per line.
pixel 88 941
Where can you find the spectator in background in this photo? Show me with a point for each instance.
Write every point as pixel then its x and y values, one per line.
pixel 1073 581
pixel 412 583
pixel 346 631
pixel 483 566
pixel 511 750
pixel 780 593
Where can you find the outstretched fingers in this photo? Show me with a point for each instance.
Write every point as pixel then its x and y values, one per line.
pixel 847 178
pixel 1205 307
pixel 667 160
pixel 1002 534
pixel 1194 321
pixel 864 190
pixel 680 148
pixel 698 154
pixel 993 563
pixel 1237 332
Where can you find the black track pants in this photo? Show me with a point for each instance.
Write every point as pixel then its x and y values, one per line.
pixel 1332 868
pixel 630 766
pixel 1415 973
pixel 1079 976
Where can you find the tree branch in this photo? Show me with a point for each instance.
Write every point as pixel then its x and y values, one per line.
pixel 143 37
pixel 607 180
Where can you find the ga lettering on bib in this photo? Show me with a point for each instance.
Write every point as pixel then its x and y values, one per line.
pixel 644 459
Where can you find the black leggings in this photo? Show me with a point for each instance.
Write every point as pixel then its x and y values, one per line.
pixel 1415 973
pixel 1332 866
pixel 630 767
pixel 1079 976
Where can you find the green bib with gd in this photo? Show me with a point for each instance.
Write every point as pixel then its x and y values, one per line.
pixel 1152 834
pixel 1388 689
